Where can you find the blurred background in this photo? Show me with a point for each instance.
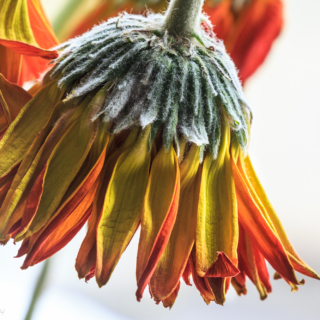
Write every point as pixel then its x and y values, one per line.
pixel 285 151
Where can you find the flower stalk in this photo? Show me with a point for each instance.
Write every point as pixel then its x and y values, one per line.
pixel 182 17
pixel 38 289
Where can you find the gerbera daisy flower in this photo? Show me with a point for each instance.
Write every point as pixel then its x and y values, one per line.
pixel 142 122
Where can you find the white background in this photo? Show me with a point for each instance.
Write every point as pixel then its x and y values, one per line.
pixel 285 150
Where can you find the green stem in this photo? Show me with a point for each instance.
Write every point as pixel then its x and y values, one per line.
pixel 38 289
pixel 183 17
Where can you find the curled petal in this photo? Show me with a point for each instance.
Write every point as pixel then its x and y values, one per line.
pixel 258 229
pixel 122 206
pixel 158 215
pixel 246 168
pixel 217 225
pixel 175 257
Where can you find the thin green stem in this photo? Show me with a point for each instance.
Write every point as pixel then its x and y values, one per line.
pixel 183 17
pixel 38 289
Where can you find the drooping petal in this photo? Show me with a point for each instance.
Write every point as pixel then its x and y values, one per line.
pixel 262 269
pixel 221 17
pixel 25 193
pixel 122 206
pixel 63 165
pixel 74 206
pixel 58 233
pixel 159 214
pixel 16 32
pixel 24 129
pixel 30 168
pixel 40 25
pixel 217 225
pixel 257 27
pixel 218 287
pixel 200 282
pixel 171 299
pixel 258 229
pixel 10 64
pixel 246 168
pixel 86 259
pixel 174 258
pixel 248 33
pixel 239 282
pixel 12 98
pixel 249 265
pixel 187 274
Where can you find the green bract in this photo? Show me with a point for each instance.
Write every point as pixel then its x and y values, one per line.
pixel 188 86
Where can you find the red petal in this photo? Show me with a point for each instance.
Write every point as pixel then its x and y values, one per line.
pixel 258 230
pixel 160 242
pixel 28 49
pixel 200 282
pixel 223 267
pixel 187 274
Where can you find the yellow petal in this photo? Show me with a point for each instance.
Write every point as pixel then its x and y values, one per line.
pixel 12 98
pixel 217 226
pixel 18 31
pixel 158 215
pixel 62 167
pixel 266 207
pixel 86 258
pixel 123 202
pixel 174 258
pixel 30 168
pixel 24 129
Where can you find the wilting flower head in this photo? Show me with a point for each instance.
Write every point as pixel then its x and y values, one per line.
pixel 142 122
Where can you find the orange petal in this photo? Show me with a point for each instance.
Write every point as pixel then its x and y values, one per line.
pixel 10 64
pixel 40 25
pixel 159 214
pixel 33 200
pixel 59 233
pixel 27 125
pixel 187 274
pixel 23 248
pixel 258 25
pixel 174 258
pixel 217 224
pixel 122 206
pixel 87 254
pixel 28 49
pixel 169 302
pixel 262 269
pixel 67 208
pixel 239 283
pixel 259 231
pixel 31 167
pixel 246 168
pixel 221 17
pixel 12 98
pixel 218 287
pixel 223 267
pixel 200 282
pixel 248 263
